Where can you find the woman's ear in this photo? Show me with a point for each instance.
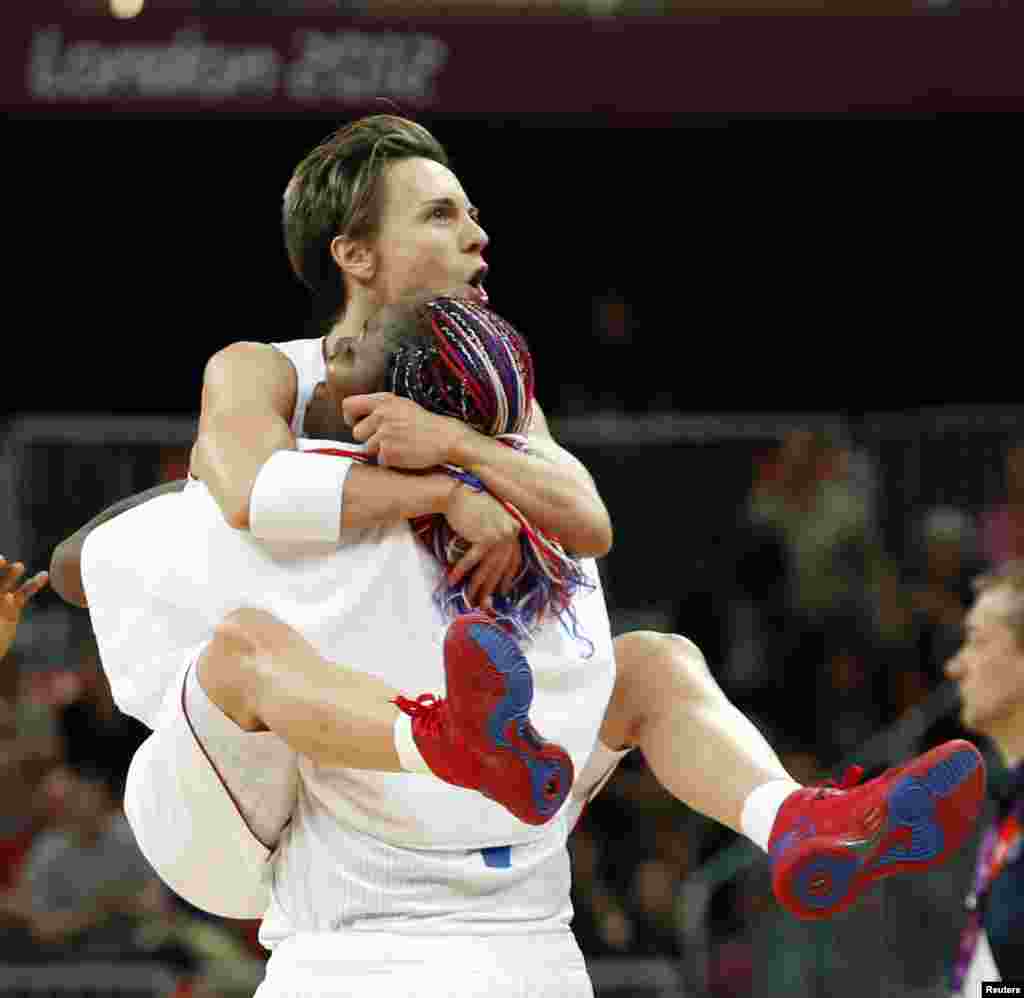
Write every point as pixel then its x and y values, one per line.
pixel 355 258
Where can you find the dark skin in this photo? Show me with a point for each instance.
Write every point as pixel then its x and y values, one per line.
pixel 357 366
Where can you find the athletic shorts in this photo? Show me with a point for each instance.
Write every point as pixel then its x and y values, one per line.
pixel 386 965
pixel 177 795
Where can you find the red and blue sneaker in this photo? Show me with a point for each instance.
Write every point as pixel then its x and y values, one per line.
pixel 480 736
pixel 828 844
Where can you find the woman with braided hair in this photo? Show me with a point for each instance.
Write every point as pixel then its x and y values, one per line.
pixel 369 857
pixel 457 358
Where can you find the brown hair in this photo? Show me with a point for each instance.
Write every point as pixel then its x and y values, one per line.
pixel 336 190
pixel 1011 578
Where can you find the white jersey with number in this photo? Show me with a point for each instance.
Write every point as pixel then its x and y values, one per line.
pixel 365 850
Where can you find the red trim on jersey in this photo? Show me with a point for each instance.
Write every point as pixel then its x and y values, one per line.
pixel 213 766
pixel 356 455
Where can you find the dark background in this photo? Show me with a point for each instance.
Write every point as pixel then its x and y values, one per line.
pixel 772 262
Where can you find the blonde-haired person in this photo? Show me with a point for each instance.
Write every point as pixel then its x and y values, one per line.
pixel 989 668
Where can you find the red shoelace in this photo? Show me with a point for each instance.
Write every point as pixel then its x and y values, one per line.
pixel 426 708
pixel 850 779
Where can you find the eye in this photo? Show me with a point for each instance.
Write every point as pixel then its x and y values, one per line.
pixel 439 211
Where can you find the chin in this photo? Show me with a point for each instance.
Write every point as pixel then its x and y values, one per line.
pixel 969 718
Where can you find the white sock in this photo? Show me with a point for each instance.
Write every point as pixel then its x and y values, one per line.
pixel 761 808
pixel 408 752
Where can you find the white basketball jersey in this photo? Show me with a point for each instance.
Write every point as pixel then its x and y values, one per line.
pixel 366 850
pixel 307 357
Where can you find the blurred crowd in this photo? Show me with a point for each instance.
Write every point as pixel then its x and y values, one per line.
pixel 74 887
pixel 830 637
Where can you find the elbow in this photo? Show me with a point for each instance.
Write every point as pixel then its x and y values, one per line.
pixel 233 505
pixel 595 540
pixel 602 540
pixel 236 515
pixel 66 574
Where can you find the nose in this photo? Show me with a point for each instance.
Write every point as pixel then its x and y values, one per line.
pixel 477 238
pixel 955 667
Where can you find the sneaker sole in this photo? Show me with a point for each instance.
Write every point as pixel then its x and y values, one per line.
pixel 928 812
pixel 549 766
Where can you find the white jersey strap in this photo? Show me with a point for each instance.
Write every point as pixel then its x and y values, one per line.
pixel 307 357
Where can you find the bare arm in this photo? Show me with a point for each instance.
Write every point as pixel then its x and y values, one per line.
pixel 550 487
pixel 249 392
pixel 372 496
pixel 380 495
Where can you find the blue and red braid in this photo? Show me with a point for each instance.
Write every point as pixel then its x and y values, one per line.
pixel 469 363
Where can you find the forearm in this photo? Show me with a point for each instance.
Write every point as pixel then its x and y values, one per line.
pixel 314 496
pixel 554 491
pixel 65 564
pixel 379 495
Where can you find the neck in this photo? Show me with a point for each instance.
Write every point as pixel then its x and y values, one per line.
pixel 1009 741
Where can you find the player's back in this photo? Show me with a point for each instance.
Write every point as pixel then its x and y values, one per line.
pixel 367 604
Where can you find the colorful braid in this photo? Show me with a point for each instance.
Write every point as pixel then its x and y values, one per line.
pixel 474 365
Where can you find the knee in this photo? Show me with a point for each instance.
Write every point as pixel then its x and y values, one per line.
pixel 234 639
pixel 658 664
pixel 229 668
pixel 246 632
pixel 66 573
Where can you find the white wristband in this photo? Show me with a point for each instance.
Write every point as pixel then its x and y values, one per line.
pixel 298 497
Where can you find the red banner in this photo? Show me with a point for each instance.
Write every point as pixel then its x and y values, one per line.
pixel 622 68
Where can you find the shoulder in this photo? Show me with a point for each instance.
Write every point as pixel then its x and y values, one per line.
pixel 246 372
pixel 248 356
pixel 539 422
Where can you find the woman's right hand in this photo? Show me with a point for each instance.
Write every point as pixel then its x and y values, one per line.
pixel 494 558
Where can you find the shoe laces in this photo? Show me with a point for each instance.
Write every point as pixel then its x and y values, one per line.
pixel 850 779
pixel 426 709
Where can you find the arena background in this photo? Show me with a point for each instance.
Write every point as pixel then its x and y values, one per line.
pixel 720 227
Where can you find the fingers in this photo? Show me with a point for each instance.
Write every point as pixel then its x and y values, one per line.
pixel 30 588
pixel 356 407
pixel 515 566
pixel 496 573
pixel 466 564
pixel 10 573
pixel 366 427
pixel 484 581
pixel 375 448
